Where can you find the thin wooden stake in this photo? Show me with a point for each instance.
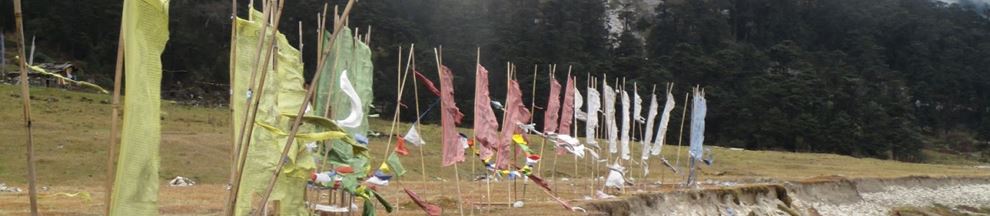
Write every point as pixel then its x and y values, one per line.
pixel 681 133
pixel 422 158
pixel 457 175
pixel 298 119
pixel 247 128
pixel 114 115
pixel 234 148
pixel 300 39
pixel 26 98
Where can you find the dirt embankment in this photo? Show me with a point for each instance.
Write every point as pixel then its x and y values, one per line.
pixel 821 196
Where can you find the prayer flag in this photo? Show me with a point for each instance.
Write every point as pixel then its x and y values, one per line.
pixel 626 124
pixel 591 126
pixel 485 122
pixel 430 209
pixel 648 137
pixel 664 121
pixel 427 83
pixel 515 114
pixel 413 137
pixel 553 107
pixel 570 103
pixel 453 152
pixel 135 191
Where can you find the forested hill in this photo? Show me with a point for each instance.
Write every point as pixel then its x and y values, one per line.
pixel 878 78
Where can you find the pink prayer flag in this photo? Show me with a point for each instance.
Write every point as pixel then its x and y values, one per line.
pixel 453 152
pixel 567 111
pixel 553 107
pixel 485 122
pixel 430 209
pixel 515 113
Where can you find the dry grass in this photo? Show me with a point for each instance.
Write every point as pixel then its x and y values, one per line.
pixel 71 131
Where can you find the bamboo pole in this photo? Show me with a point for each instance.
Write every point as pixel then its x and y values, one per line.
pixel 298 119
pixel 543 143
pixel 488 180
pixel 637 127
pixel 26 99
pixel 681 133
pixel 230 84
pixel 398 102
pixel 114 118
pixel 422 158
pixel 457 175
pixel 555 154
pixel 505 126
pixel 532 115
pixel 594 163
pixel 301 45
pixel 398 99
pixel 498 152
pixel 247 128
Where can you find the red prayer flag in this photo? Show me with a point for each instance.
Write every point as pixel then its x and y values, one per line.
pixel 459 116
pixel 401 147
pixel 553 107
pixel 453 152
pixel 485 122
pixel 515 114
pixel 427 83
pixel 430 209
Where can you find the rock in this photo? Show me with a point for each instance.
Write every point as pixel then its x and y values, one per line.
pixel 180 181
pixel 8 189
pixel 517 204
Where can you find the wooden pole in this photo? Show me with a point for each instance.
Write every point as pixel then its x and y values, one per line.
pixel 594 162
pixel 422 158
pixel 488 180
pixel 230 84
pixel 114 115
pixel 398 99
pixel 298 119
pixel 26 99
pixel 457 175
pixel 247 128
pixel 301 45
pixel 680 135
pixel 543 143
pixel 555 155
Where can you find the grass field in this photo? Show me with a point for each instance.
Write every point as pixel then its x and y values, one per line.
pixel 71 131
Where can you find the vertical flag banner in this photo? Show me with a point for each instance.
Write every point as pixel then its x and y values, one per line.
pixel 485 122
pixel 572 100
pixel 626 124
pixel 283 93
pixel 515 114
pixel 651 114
pixel 590 130
pixel 662 131
pixel 698 113
pixel 145 27
pixel 611 127
pixel 553 107
pixel 453 152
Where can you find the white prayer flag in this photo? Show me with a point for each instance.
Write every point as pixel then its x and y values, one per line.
pixel 664 121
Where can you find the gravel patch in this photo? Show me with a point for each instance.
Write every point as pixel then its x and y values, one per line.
pixel 881 203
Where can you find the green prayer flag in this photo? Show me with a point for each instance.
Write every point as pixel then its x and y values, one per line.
pixel 395 165
pixel 283 93
pixel 135 191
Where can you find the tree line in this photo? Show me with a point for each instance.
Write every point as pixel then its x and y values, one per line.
pixel 882 78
